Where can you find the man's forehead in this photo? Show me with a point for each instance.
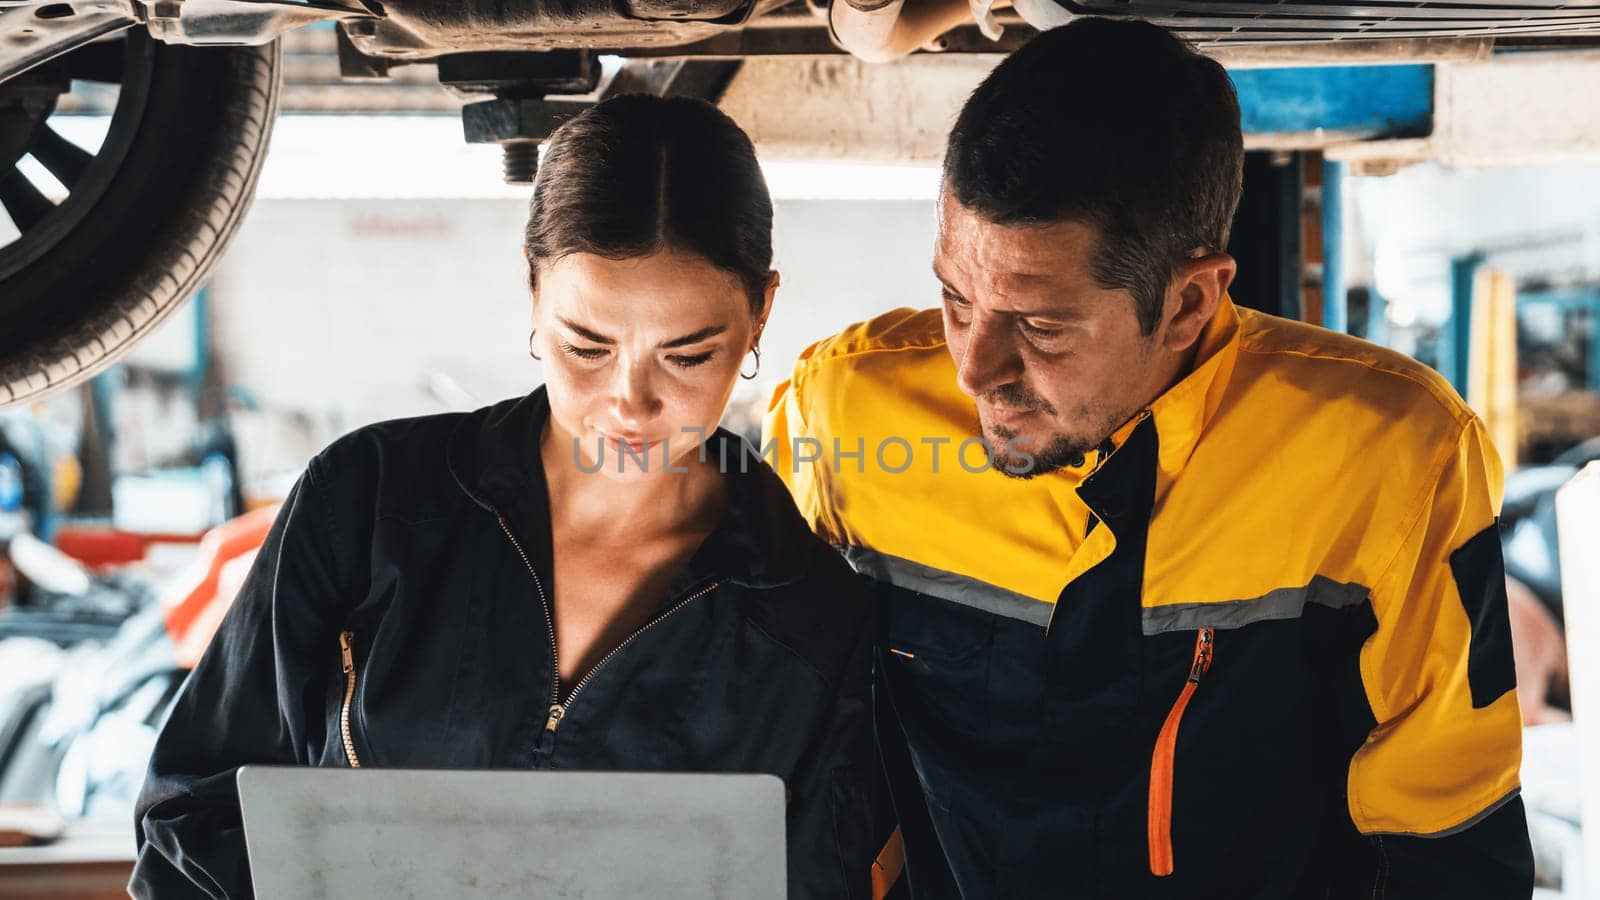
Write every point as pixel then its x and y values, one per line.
pixel 1017 257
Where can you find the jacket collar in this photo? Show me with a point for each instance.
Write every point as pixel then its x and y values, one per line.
pixel 1184 410
pixel 762 543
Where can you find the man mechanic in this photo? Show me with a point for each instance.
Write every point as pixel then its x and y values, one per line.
pixel 1215 607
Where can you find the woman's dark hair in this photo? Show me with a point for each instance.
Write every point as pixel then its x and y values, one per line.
pixel 1114 123
pixel 638 174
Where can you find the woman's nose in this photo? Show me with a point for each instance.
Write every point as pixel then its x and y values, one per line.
pixel 634 400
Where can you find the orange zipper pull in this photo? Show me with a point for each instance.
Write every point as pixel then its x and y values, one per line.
pixel 1159 822
pixel 1202 654
pixel 345 651
pixel 556 712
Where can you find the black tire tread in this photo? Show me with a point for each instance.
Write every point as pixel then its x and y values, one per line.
pixel 181 263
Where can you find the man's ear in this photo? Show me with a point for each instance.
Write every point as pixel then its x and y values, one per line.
pixel 1197 287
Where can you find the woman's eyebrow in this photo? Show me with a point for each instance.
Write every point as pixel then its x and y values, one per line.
pixel 695 337
pixel 585 333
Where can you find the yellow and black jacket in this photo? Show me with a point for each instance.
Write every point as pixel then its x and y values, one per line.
pixel 1256 646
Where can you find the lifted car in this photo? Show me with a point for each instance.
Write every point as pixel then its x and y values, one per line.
pixel 133 227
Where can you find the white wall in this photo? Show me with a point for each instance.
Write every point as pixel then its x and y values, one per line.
pixel 345 308
pixel 353 310
pixel 1538 221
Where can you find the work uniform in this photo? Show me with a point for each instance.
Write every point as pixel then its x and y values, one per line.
pixel 1256 646
pixel 399 615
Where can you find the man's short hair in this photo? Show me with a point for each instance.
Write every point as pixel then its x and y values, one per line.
pixel 1115 123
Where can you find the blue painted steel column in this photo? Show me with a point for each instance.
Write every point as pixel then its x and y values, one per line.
pixel 1457 335
pixel 1335 305
pixel 202 341
pixel 1594 341
pixel 1377 318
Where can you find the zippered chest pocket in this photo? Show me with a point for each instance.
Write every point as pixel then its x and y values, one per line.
pixel 936 653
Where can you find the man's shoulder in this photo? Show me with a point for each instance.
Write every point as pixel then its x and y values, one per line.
pixel 896 331
pixel 1345 375
pixel 881 369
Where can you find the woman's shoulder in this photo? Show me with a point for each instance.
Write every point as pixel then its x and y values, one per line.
pixel 813 601
pixel 409 467
pixel 415 439
pixel 826 615
pixel 392 450
pixel 428 440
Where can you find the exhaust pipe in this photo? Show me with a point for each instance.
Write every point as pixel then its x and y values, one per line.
pixel 885 30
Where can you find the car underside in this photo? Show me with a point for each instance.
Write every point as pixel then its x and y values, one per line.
pixel 105 243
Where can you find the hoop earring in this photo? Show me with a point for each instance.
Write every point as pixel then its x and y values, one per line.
pixel 757 352
pixel 530 345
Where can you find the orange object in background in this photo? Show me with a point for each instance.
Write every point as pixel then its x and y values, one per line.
pixel 199 597
pixel 8 582
pixel 1539 648
pixel 100 546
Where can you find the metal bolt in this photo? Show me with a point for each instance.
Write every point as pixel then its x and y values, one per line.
pixel 165 21
pixel 168 31
pixel 521 160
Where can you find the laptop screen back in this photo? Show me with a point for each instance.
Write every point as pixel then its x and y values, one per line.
pixel 387 834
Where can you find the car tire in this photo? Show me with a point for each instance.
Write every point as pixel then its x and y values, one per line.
pixel 183 175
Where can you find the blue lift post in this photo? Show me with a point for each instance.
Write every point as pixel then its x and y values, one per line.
pixel 1456 338
pixel 1377 317
pixel 1594 341
pixel 202 342
pixel 1335 305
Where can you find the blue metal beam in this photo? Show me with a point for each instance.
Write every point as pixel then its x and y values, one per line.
pixel 1348 102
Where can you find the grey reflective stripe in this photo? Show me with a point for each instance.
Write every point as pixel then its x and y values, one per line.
pixel 1488 811
pixel 948 586
pixel 1283 603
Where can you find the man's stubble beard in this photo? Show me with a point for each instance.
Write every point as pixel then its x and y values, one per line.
pixel 1060 451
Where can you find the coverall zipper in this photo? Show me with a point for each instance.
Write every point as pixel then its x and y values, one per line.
pixel 558 710
pixel 347 655
pixel 1159 822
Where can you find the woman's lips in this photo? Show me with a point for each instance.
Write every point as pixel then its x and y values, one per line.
pixel 635 445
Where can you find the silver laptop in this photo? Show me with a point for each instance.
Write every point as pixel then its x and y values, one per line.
pixel 388 834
